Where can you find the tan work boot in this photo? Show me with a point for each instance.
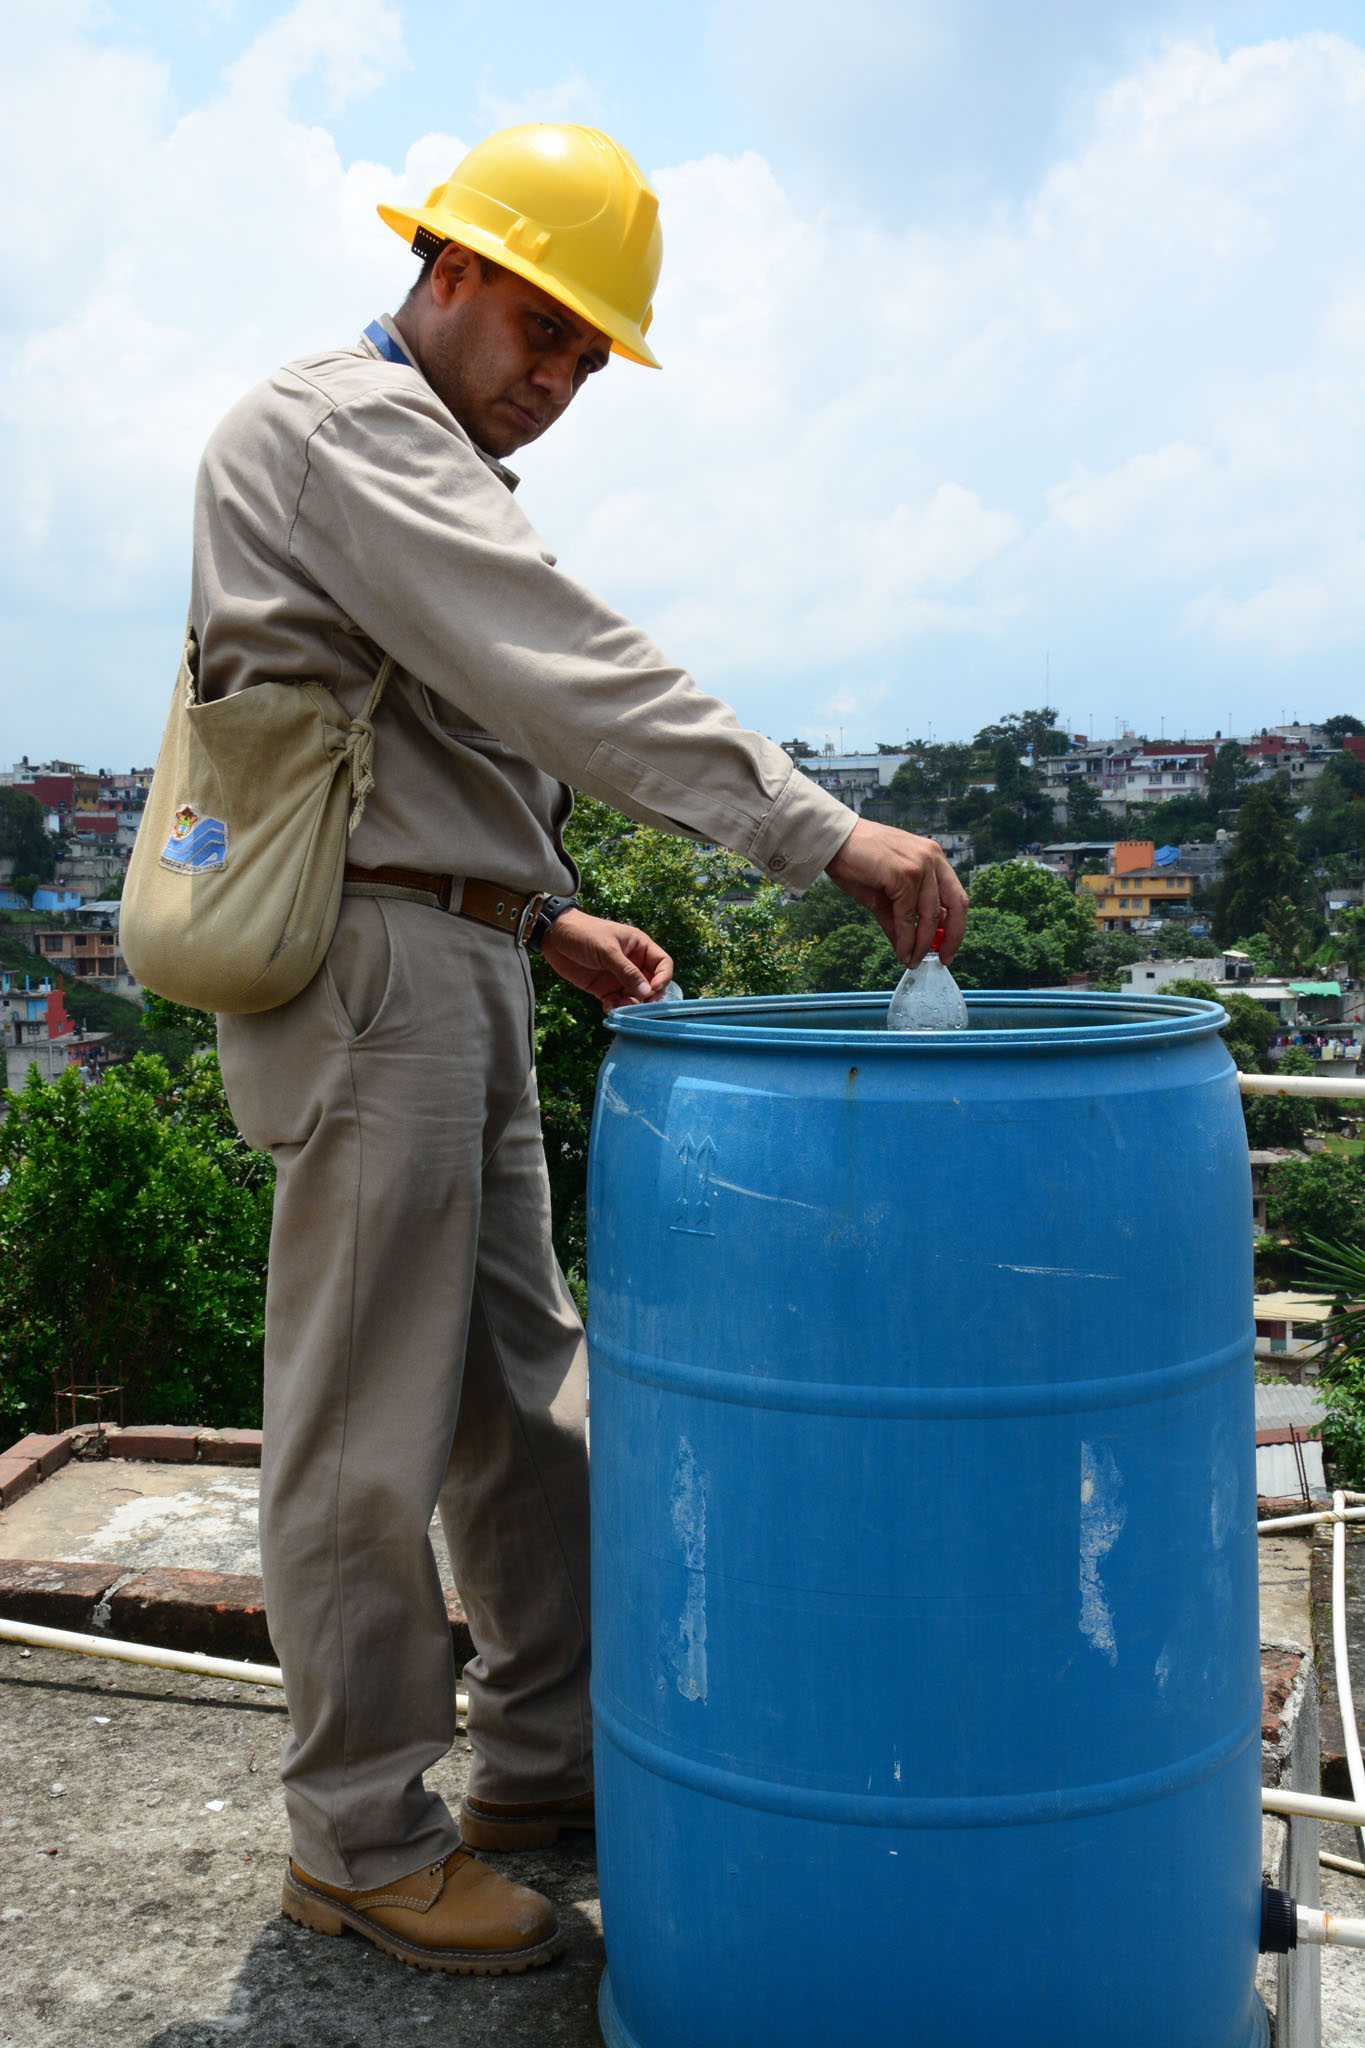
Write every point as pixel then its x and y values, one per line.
pixel 457 1915
pixel 486 1826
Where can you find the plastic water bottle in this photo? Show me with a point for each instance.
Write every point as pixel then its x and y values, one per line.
pixel 927 999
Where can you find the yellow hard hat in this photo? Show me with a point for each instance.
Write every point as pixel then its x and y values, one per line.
pixel 566 208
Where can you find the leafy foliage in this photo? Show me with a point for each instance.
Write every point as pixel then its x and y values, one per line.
pixel 1261 865
pixel 1336 811
pixel 1086 817
pixel 24 837
pixel 934 774
pixel 1321 1196
pixel 1281 1119
pixel 822 910
pixel 1024 730
pixel 693 900
pixel 1044 903
pixel 853 956
pixel 1000 950
pixel 134 1225
pixel 1340 1270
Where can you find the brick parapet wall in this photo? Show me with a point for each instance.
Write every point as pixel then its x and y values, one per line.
pixel 221 1614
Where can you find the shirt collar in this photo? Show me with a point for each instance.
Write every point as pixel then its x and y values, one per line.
pixel 385 340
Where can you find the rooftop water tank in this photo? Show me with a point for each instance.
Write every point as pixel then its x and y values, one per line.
pixel 926 1651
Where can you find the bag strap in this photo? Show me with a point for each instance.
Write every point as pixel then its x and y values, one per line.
pixel 359 747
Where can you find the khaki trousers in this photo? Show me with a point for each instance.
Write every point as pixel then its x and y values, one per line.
pixel 422 1350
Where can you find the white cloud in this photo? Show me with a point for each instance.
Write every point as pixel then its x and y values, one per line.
pixel 352 46
pixel 570 98
pixel 884 468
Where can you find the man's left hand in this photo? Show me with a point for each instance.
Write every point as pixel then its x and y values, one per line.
pixel 614 962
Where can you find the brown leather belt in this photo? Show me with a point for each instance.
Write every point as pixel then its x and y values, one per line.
pixel 507 910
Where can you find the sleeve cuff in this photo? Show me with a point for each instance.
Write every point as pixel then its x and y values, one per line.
pixel 801 833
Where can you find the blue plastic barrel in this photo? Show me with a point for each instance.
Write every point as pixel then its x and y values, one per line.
pixel 924 1557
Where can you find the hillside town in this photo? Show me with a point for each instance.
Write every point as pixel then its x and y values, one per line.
pixel 1137 829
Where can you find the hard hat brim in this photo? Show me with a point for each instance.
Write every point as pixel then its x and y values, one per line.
pixel 625 337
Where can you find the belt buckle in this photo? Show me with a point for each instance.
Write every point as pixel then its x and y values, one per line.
pixel 530 913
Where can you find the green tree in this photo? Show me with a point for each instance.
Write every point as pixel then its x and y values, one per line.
pixel 1085 814
pixel 1179 821
pixel 1281 1119
pixel 1000 950
pixel 1173 940
pixel 1322 1197
pixel 1339 1270
pixel 1343 726
pixel 856 956
pixel 134 1226
pixel 1043 901
pixel 932 776
pixel 1348 941
pixel 1336 812
pixel 798 750
pixel 822 910
pixel 1259 948
pixel 1106 953
pixel 1192 985
pixel 724 940
pixel 24 837
pixel 1231 774
pixel 1250 1026
pixel 1260 865
pixel 1284 927
pixel 1027 731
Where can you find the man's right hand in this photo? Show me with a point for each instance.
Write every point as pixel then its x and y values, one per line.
pixel 907 883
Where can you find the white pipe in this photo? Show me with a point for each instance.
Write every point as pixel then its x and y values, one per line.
pixel 1296 1084
pixel 1274 1799
pixel 1316 1928
pixel 1340 1658
pixel 138 1653
pixel 1303 1521
pixel 148 1653
pixel 1346 1863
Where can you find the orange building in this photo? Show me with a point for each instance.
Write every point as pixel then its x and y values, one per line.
pixel 1137 887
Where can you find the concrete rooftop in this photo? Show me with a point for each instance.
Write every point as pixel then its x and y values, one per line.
pixel 142 1832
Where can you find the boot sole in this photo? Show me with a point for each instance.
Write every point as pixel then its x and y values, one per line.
pixel 493 1831
pixel 325 1915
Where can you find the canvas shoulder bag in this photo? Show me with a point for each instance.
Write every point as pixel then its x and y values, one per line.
pixel 235 881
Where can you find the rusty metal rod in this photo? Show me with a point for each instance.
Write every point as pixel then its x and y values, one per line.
pixel 1297 1084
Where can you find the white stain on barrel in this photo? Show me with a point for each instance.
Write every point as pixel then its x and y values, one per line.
pixel 1103 1514
pixel 688 1505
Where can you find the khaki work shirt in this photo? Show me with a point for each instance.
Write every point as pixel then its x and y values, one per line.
pixel 342 512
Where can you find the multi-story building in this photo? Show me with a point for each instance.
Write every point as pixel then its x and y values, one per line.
pixel 93 955
pixel 853 778
pixel 1139 888
pixel 1154 773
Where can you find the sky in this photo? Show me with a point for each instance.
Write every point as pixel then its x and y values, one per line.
pixel 1011 352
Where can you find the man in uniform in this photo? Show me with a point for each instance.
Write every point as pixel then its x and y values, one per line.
pixel 422 1349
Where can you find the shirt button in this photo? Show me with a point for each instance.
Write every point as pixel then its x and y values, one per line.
pixel 777 863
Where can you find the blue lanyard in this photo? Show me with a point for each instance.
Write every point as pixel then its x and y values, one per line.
pixel 385 343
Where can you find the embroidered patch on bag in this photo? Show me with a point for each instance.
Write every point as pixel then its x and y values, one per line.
pixel 197 845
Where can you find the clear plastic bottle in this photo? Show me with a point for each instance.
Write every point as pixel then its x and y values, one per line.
pixel 927 999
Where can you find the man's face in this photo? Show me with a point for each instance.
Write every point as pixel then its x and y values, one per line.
pixel 502 354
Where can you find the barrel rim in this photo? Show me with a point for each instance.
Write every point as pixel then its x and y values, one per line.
pixel 738 1021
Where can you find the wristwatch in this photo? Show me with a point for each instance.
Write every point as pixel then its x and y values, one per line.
pixel 544 915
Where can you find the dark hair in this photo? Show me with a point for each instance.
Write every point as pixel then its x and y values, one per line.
pixel 429 254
